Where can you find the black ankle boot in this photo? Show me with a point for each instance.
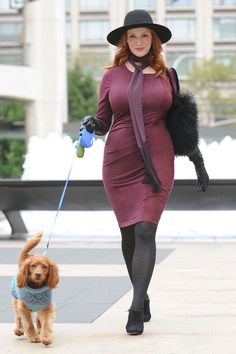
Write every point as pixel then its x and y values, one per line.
pixel 146 309
pixel 135 322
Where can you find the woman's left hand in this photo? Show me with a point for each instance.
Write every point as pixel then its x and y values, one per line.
pixel 202 177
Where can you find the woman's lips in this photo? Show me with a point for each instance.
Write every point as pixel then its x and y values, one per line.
pixel 139 49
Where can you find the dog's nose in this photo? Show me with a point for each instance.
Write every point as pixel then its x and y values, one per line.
pixel 38 274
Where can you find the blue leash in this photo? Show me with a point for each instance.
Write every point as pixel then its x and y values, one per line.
pixel 59 207
pixel 85 141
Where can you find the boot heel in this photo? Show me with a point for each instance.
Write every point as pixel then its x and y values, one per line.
pixel 135 322
pixel 146 310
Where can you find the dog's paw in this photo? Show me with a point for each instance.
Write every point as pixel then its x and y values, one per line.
pixel 18 332
pixel 34 339
pixel 46 341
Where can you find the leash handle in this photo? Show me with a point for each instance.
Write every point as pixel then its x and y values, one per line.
pixel 85 141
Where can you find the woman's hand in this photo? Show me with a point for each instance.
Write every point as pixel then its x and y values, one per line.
pixel 202 175
pixel 90 123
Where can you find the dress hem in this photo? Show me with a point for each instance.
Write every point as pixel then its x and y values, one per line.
pixel 135 221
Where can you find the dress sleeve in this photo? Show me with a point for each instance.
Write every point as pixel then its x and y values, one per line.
pixel 174 80
pixel 104 112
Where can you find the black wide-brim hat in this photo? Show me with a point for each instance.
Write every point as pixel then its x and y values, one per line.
pixel 139 18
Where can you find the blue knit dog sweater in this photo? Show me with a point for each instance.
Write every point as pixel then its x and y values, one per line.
pixel 34 299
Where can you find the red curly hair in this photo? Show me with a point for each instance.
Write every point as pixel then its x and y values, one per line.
pixel 154 56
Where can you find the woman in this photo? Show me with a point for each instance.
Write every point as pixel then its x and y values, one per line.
pixel 138 166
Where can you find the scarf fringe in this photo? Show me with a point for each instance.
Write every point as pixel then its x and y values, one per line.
pixel 155 182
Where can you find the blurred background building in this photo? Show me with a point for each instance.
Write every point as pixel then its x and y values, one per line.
pixel 201 29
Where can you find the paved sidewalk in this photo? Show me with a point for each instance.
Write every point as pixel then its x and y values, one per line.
pixel 193 303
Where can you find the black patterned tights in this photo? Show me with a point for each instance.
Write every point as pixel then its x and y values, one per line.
pixel 139 251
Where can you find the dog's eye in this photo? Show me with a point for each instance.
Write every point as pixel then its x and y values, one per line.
pixel 33 265
pixel 44 266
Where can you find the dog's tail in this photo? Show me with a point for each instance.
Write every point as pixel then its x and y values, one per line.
pixel 33 242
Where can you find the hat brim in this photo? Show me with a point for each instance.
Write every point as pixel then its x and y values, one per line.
pixel 163 33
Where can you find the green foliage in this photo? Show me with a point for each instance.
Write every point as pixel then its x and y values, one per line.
pixel 11 111
pixel 209 72
pixel 212 83
pixel 11 158
pixel 82 94
pixel 11 151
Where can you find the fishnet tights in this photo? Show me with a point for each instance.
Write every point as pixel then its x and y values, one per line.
pixel 139 251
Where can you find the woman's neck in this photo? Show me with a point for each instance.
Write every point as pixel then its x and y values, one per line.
pixel 147 70
pixel 138 62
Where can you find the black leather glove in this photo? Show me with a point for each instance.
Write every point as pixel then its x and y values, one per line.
pixel 202 175
pixel 90 123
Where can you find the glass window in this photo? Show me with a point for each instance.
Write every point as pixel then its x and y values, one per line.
pixel 10 31
pixel 67 4
pixel 68 32
pixel 4 5
pixel 182 61
pixel 225 28
pixel 180 2
pixel 93 31
pixel 182 29
pixel 142 4
pixel 227 58
pixel 17 4
pixel 12 58
pixel 224 57
pixel 88 5
pixel 224 2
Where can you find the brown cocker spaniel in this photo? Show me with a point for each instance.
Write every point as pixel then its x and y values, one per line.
pixel 32 292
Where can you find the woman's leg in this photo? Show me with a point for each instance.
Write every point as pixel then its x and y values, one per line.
pixel 144 257
pixel 127 246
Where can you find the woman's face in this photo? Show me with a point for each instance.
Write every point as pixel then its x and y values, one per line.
pixel 139 40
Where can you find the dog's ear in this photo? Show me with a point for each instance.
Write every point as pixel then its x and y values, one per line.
pixel 53 277
pixel 22 276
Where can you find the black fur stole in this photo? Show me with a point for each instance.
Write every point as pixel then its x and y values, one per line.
pixel 182 123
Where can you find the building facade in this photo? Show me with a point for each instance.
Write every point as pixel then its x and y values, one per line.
pixel 201 29
pixel 35 38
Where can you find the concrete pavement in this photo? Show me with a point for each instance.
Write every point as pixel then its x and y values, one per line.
pixel 193 304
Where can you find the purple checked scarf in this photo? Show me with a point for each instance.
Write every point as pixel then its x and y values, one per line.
pixel 135 93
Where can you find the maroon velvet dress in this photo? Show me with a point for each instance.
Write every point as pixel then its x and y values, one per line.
pixel 123 167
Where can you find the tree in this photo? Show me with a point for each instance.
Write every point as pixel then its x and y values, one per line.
pixel 12 158
pixel 11 150
pixel 212 83
pixel 82 94
pixel 11 111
